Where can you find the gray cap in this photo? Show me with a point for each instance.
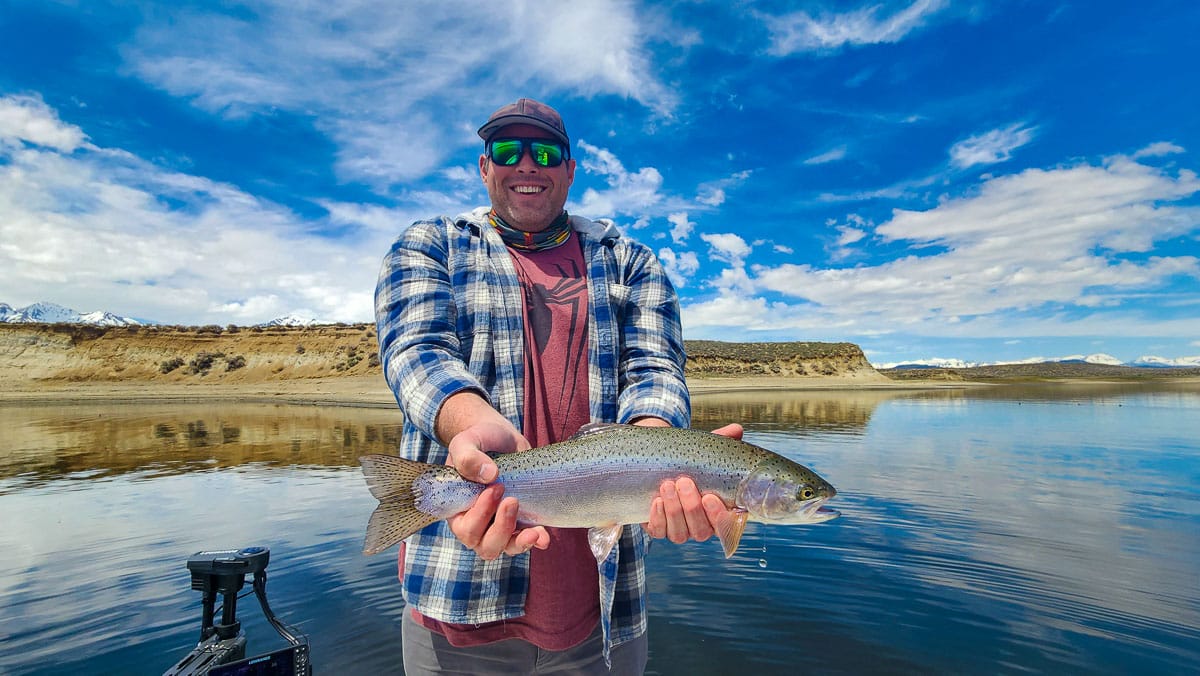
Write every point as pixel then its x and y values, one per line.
pixel 526 111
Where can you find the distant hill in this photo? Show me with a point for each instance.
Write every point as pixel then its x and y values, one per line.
pixel 1040 370
pixel 176 354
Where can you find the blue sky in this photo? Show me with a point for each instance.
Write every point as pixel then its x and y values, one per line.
pixel 971 180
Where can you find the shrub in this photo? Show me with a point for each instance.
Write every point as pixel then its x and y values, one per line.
pixel 203 362
pixel 170 365
pixel 235 363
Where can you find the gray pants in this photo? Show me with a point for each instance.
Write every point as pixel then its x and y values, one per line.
pixel 426 652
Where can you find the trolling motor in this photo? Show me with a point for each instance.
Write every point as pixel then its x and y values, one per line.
pixel 222 647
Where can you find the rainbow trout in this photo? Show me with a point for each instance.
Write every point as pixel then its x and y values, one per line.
pixel 602 478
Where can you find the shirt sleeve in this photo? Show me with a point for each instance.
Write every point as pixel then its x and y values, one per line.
pixel 651 378
pixel 415 317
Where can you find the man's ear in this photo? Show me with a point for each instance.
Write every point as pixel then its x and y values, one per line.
pixel 483 167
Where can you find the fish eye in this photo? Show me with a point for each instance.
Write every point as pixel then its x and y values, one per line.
pixel 807 493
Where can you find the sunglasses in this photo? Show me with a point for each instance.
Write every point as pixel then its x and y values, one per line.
pixel 545 153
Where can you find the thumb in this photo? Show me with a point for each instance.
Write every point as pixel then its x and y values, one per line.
pixel 472 464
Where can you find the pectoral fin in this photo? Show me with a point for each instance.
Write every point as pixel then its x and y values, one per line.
pixel 730 528
pixel 601 540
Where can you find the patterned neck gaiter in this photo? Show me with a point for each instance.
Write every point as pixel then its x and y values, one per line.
pixel 553 236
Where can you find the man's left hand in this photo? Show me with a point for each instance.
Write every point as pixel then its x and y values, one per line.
pixel 680 513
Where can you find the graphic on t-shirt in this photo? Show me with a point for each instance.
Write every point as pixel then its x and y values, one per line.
pixel 556 298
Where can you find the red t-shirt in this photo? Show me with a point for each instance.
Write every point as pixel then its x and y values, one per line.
pixel 563 604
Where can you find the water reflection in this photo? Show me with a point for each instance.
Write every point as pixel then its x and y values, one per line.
pixel 846 412
pixel 984 530
pixel 98 440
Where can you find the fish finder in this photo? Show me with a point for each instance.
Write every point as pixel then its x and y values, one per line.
pixel 222 647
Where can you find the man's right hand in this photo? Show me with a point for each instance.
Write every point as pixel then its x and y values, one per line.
pixel 489 527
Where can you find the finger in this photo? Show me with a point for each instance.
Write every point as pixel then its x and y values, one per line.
pixel 469 527
pixel 693 512
pixel 732 430
pixel 714 507
pixel 527 539
pixel 497 537
pixel 677 529
pixel 472 464
pixel 656 527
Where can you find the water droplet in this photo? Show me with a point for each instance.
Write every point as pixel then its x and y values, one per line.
pixel 762 563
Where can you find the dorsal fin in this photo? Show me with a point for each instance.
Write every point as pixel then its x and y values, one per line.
pixel 592 429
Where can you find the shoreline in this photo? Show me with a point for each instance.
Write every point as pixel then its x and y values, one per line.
pixel 372 392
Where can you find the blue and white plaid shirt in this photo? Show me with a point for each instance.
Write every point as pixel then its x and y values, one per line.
pixel 448 308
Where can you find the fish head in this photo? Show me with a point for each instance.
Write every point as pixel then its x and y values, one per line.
pixel 784 492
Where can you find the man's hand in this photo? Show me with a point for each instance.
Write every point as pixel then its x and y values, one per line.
pixel 680 513
pixel 489 527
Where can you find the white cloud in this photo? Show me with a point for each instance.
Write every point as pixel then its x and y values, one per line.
pixel 628 193
pixel 368 72
pixel 679 266
pixel 802 32
pixel 990 147
pixel 681 227
pixel 96 225
pixel 28 119
pixel 713 193
pixel 1158 149
pixel 1037 239
pixel 727 247
pixel 832 155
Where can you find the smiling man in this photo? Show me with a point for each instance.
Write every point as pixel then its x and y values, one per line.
pixel 510 327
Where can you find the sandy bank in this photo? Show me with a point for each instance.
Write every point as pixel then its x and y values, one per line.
pixel 371 391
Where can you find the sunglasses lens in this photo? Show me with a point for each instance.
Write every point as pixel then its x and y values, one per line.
pixel 547 154
pixel 507 152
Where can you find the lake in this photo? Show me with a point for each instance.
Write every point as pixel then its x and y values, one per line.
pixel 1031 529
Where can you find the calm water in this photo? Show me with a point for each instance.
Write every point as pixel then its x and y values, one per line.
pixel 1042 530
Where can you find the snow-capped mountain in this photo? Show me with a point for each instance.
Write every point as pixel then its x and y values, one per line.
pixel 292 320
pixel 933 363
pixel 1151 361
pixel 51 313
pixel 1099 358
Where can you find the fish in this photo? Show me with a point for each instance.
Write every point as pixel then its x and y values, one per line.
pixel 604 477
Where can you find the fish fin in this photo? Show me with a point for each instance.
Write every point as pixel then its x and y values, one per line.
pixel 602 539
pixel 730 528
pixel 390 478
pixel 391 522
pixel 591 429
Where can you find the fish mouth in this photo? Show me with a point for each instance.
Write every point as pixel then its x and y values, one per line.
pixel 816 512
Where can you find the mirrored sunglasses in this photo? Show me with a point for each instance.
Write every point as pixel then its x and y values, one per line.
pixel 545 152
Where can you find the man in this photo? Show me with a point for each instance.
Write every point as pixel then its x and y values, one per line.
pixel 507 328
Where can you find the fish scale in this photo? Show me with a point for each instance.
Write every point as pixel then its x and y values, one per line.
pixel 604 477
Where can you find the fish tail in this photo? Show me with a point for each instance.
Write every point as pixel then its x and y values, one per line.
pixel 390 479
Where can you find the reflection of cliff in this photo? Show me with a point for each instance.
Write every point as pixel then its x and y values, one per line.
pixel 825 411
pixel 44 442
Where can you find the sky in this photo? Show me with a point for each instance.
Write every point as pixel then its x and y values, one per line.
pixel 928 179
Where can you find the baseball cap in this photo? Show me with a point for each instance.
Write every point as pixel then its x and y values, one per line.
pixel 526 111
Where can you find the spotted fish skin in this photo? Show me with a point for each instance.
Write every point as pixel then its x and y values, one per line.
pixel 604 477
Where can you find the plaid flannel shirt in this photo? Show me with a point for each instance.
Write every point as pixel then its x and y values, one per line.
pixel 448 310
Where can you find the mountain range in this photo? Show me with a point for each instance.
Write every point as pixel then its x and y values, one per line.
pixel 51 313
pixel 1145 361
